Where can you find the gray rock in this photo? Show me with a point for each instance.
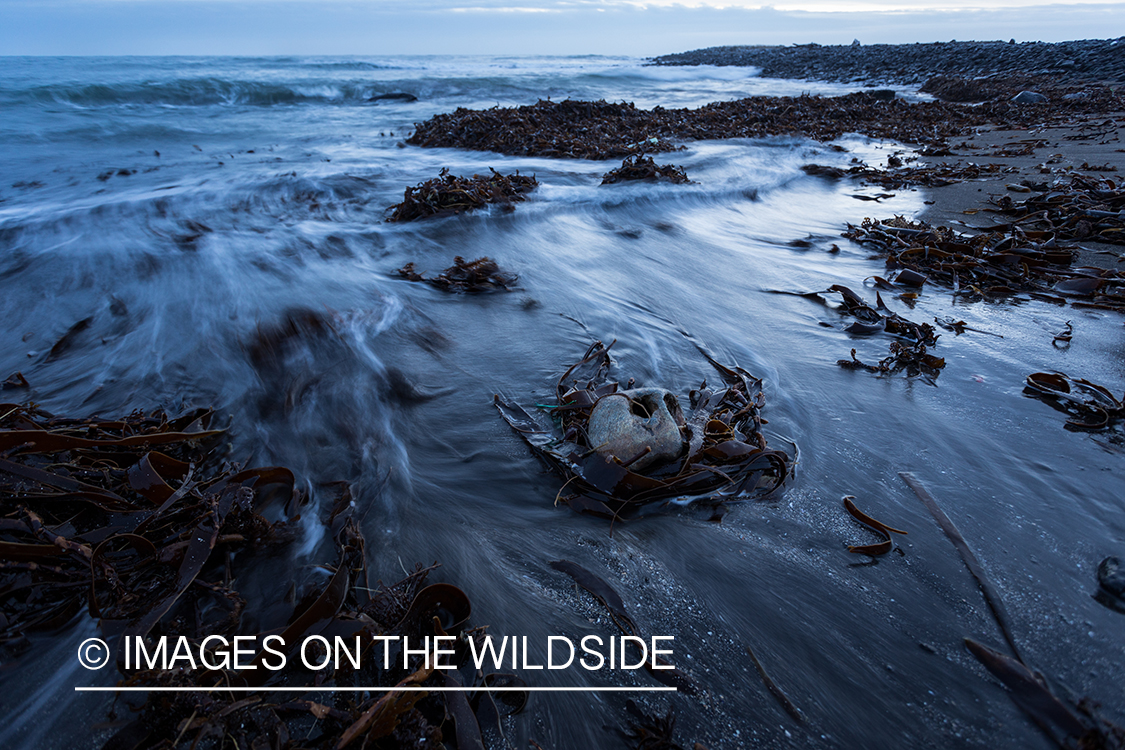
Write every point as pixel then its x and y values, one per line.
pixel 1029 97
pixel 624 424
pixel 1111 576
pixel 1078 95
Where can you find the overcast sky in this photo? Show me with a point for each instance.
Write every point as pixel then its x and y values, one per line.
pixel 632 27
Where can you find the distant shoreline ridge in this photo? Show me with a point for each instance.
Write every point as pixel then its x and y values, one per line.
pixel 1100 60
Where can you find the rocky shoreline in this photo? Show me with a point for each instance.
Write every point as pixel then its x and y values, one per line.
pixel 913 64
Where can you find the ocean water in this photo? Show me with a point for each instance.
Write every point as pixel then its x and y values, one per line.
pixel 180 205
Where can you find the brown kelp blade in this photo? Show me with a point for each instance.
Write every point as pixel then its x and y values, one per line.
pixel 1030 694
pixel 775 691
pixel 613 602
pixel 879 527
pixel 991 596
pixel 1090 406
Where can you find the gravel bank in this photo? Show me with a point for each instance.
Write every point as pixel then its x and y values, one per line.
pixel 905 64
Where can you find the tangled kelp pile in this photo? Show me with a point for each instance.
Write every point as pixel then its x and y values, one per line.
pixel 713 453
pixel 446 194
pixel 641 167
pixel 91 518
pixel 599 130
pixel 1080 208
pixel 480 275
pixel 909 351
pixel 141 522
pixel 1090 406
pixel 1001 261
pixel 938 175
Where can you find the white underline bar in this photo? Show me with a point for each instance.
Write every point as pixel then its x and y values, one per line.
pixel 412 688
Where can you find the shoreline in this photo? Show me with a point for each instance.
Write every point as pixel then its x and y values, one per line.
pixel 1089 60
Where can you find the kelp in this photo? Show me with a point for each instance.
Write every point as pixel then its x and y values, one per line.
pixel 988 591
pixel 650 731
pixel 911 351
pixel 142 522
pixel 775 691
pixel 913 358
pixel 1089 405
pixel 1068 726
pixel 1077 207
pixel 724 456
pixel 878 527
pixel 641 167
pixel 1001 261
pixel 613 602
pixel 450 194
pixel 474 276
pixel 601 130
pixel 898 175
pixel 1077 726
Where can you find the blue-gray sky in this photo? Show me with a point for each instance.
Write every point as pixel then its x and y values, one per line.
pixel 634 27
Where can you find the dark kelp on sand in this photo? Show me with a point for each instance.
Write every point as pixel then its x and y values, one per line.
pixel 719 452
pixel 142 523
pixel 450 194
pixel 641 167
pixel 600 130
pixel 1090 406
pixel 1000 261
pixel 1073 723
pixel 480 275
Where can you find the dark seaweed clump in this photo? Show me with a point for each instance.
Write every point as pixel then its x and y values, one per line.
pixel 1025 254
pixel 141 522
pixel 598 130
pixel 724 458
pixel 641 167
pixel 480 275
pixel 446 194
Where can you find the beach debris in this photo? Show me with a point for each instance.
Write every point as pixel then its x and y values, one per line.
pixel 724 458
pixel 775 691
pixel 1082 207
pixel 959 326
pixel 141 522
pixel 15 380
pixel 1078 726
pixel 641 167
pixel 900 176
pixel 911 355
pixel 991 595
pixel 474 276
pixel 600 130
pixel 878 527
pixel 650 731
pixel 1090 406
pixel 1062 339
pixel 1028 689
pixel 1000 261
pixel 913 358
pixel 613 602
pixel 450 194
